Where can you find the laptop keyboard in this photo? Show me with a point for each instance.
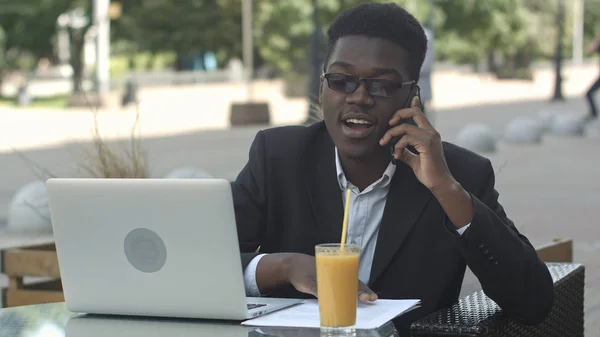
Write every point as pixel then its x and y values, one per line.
pixel 254 306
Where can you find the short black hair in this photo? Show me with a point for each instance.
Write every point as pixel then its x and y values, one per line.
pixel 386 21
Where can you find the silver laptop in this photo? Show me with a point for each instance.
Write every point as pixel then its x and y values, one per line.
pixel 151 247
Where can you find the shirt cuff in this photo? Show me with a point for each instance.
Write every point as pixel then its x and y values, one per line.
pixel 463 229
pixel 250 277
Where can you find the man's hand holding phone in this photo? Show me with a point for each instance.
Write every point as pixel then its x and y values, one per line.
pixel 430 164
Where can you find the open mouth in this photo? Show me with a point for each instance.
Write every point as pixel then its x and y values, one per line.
pixel 357 124
pixel 357 128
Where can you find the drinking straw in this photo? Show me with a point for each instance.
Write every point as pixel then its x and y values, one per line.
pixel 345 223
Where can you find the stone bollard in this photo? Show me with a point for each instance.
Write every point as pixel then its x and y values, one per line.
pixel 592 127
pixel 546 118
pixel 477 138
pixel 524 131
pixel 29 211
pixel 567 125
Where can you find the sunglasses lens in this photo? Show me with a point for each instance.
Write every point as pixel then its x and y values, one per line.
pixel 348 83
pixel 383 88
pixel 342 82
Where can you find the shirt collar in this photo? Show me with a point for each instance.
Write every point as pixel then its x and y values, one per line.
pixel 381 182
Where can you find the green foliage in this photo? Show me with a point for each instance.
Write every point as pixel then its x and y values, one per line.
pixel 32 29
pixel 182 26
pixel 283 29
pixel 2 48
pixel 472 29
pixel 467 31
pixel 282 32
pixel 591 26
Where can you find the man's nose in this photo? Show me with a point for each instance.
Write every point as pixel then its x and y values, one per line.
pixel 360 96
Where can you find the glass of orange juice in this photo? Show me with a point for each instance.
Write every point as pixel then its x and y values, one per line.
pixel 337 286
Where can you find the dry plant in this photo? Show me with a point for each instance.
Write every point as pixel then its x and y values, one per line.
pixel 103 162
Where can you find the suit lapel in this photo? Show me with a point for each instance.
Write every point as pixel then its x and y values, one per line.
pixel 323 188
pixel 406 199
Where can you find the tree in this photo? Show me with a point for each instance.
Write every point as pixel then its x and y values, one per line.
pixel 508 34
pixel 128 36
pixel 591 25
pixel 31 31
pixel 183 26
pixel 26 32
pixel 77 34
pixel 3 61
pixel 283 28
pixel 281 33
pixel 473 31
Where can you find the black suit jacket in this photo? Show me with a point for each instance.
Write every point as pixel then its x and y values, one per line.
pixel 287 199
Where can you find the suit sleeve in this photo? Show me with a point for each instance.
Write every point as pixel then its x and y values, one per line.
pixel 250 200
pixel 504 260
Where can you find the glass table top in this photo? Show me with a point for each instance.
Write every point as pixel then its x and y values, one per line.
pixel 55 320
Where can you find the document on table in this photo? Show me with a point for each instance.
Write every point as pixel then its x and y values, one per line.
pixel 306 314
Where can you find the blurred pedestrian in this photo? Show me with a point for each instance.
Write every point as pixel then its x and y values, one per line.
pixel 594 47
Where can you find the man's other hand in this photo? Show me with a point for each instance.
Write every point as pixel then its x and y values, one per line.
pixel 298 270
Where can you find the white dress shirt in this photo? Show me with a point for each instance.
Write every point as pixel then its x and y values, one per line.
pixel 364 219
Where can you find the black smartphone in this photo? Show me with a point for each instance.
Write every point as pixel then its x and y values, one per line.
pixel 415 92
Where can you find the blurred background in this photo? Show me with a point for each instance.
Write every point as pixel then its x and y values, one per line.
pixel 178 89
pixel 52 50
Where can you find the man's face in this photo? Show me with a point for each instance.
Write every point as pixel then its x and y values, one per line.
pixel 357 120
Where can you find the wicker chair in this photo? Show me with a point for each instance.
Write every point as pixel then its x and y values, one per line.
pixel 477 315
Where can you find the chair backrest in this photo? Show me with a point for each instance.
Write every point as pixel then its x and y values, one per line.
pixel 477 315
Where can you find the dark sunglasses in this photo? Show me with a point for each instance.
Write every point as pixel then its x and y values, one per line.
pixel 376 86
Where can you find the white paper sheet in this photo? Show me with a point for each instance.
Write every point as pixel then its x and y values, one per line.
pixel 306 315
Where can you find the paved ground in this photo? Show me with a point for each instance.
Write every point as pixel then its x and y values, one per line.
pixel 551 190
pixel 180 109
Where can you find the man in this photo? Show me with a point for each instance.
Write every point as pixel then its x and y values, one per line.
pixel 419 219
pixel 594 47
